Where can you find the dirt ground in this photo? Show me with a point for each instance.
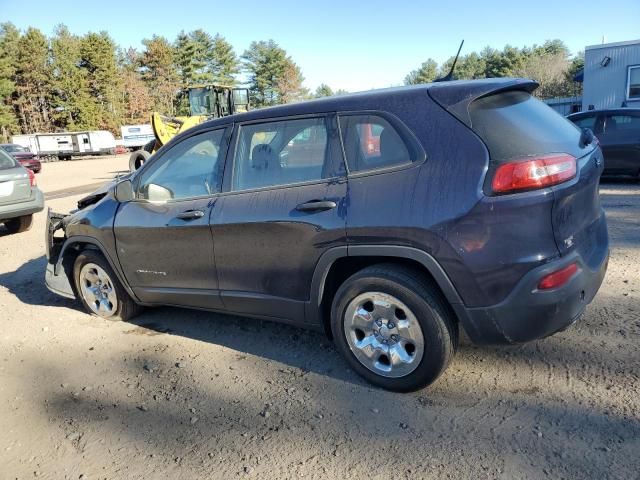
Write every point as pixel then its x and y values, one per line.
pixel 186 394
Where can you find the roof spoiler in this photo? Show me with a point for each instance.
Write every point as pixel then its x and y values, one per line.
pixel 457 96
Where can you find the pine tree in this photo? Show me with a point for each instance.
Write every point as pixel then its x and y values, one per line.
pixel 159 73
pixel 33 82
pixel 98 57
pixel 73 107
pixel 202 56
pixel 9 38
pixel 427 72
pixel 273 76
pixel 184 51
pixel 323 90
pixel 224 65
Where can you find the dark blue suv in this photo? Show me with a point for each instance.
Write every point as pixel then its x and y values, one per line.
pixel 389 219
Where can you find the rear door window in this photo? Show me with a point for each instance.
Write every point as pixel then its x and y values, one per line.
pixel 516 125
pixel 372 142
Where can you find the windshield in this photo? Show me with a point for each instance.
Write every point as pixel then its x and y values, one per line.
pixel 14 148
pixel 199 101
pixel 6 161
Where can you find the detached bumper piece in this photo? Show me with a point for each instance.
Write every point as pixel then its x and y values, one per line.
pixel 56 277
pixel 52 243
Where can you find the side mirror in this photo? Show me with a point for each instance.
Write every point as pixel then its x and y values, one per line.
pixel 123 191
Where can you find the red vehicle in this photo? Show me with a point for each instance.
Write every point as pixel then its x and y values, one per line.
pixel 23 156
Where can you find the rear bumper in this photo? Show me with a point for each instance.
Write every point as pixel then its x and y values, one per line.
pixel 528 313
pixel 33 205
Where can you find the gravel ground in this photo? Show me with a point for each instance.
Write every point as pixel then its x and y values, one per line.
pixel 187 394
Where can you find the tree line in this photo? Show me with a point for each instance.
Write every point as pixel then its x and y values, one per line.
pixel 72 82
pixel 68 82
pixel 550 64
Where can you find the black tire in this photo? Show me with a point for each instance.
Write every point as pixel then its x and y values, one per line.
pixel 19 224
pixel 137 159
pixel 437 322
pixel 126 307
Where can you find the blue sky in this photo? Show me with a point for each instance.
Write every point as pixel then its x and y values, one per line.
pixel 350 45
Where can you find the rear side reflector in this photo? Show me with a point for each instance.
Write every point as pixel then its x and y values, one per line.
pixel 558 278
pixel 537 172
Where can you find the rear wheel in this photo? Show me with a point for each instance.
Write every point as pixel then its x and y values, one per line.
pixel 99 289
pixel 394 327
pixel 20 224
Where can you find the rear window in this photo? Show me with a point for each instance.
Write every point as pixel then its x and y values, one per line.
pixel 6 160
pixel 14 148
pixel 517 125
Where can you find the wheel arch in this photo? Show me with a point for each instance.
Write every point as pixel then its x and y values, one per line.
pixel 70 250
pixel 338 263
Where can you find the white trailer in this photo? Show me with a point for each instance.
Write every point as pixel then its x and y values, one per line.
pixel 68 144
pixel 136 136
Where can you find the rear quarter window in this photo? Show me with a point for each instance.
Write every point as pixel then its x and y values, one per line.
pixel 6 161
pixel 516 125
pixel 585 122
pixel 372 142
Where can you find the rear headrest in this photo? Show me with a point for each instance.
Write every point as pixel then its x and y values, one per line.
pixel 261 156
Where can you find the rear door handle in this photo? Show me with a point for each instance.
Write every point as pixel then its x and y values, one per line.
pixel 190 214
pixel 316 206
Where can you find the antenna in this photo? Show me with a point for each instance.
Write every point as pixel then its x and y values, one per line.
pixel 449 76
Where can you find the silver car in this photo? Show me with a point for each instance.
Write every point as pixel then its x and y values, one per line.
pixel 20 198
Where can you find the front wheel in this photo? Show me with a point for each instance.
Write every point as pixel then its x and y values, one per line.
pixel 394 327
pixel 99 289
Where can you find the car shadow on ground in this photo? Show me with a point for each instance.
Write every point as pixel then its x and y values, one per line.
pixel 303 349
pixel 27 284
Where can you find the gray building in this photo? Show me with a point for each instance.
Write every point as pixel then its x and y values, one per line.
pixel 611 75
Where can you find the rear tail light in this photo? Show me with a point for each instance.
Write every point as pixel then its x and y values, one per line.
pixel 538 172
pixel 32 177
pixel 558 278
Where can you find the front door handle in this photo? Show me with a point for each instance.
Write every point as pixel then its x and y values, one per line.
pixel 316 206
pixel 190 214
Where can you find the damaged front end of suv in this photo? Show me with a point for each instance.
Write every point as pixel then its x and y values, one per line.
pixel 89 226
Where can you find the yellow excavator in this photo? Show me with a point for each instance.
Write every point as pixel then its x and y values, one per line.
pixel 205 102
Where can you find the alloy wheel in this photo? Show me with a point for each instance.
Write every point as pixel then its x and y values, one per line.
pixel 383 334
pixel 98 290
